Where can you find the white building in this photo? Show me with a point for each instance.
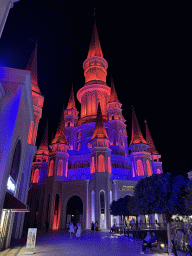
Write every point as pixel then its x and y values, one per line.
pixel 21 105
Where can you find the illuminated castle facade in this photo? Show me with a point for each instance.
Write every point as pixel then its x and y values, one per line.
pixel 89 163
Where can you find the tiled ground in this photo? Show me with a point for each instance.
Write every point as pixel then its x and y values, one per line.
pixel 90 244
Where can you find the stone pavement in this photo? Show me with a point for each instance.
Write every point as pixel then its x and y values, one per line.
pixel 90 244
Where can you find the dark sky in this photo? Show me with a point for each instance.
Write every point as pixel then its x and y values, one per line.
pixel 146 46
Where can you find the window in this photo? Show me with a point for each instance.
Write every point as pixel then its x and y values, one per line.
pixel 16 161
pixel 51 168
pixel 133 169
pixel 92 165
pixel 149 170
pixel 36 176
pixel 101 164
pixel 102 200
pixel 60 168
pixel 68 124
pixel 140 170
pixel 109 164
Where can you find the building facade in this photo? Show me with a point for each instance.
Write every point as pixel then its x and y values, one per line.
pixel 21 105
pixel 89 162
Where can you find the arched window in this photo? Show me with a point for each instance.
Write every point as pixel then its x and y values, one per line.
pixel 158 171
pixel 101 164
pixel 60 168
pixel 56 213
pixel 109 164
pixel 66 169
pixel 140 170
pixel 149 170
pixel 51 168
pixel 36 176
pixel 133 169
pixel 16 161
pixel 92 165
pixel 93 206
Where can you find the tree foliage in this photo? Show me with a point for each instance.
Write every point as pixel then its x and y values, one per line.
pixel 125 206
pixel 163 193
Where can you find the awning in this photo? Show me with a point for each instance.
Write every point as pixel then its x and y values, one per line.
pixel 14 204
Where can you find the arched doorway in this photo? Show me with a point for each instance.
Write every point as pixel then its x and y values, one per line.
pixel 74 210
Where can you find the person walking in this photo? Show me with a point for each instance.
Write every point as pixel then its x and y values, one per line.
pixel 71 229
pixel 92 226
pixel 79 230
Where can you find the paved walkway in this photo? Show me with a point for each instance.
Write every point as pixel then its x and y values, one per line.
pixel 90 244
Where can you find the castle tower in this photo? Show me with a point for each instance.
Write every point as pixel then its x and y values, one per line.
pixel 58 168
pixel 38 98
pixel 140 157
pixel 95 89
pixel 40 165
pixel 71 117
pixel 116 124
pixel 100 184
pixel 155 156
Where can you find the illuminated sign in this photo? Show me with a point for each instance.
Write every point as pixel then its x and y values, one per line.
pixel 11 185
pixel 127 188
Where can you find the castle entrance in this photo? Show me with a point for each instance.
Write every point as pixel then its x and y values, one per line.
pixel 74 210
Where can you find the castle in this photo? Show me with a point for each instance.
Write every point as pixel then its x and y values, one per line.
pixel 89 163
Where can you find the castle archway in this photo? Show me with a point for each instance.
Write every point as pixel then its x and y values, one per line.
pixel 74 211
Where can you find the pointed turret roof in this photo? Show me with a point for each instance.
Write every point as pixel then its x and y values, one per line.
pixel 137 136
pixel 150 142
pixel 32 67
pixel 60 134
pixel 113 96
pixel 71 103
pixel 100 131
pixel 43 147
pixel 95 46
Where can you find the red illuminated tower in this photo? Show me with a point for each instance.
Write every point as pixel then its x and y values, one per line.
pixel 101 184
pixel 140 157
pixel 95 89
pixel 38 98
pixel 155 156
pixel 116 124
pixel 71 118
pixel 40 165
pixel 58 167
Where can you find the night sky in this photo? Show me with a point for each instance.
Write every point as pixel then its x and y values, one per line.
pixel 146 46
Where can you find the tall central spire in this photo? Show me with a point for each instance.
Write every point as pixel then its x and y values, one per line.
pixel 95 66
pixel 95 46
pixel 137 136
